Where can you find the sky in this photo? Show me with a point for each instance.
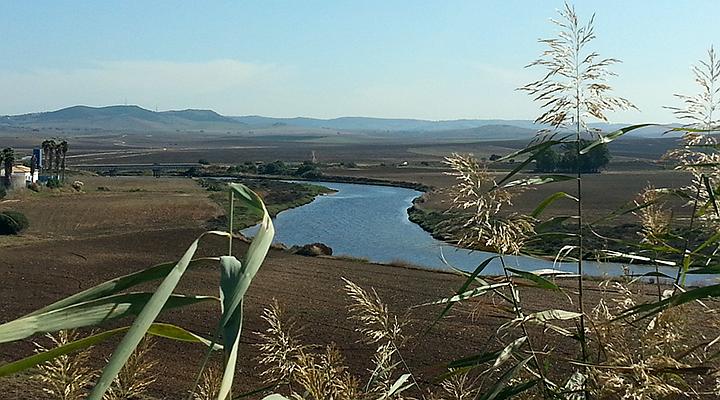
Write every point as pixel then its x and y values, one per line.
pixel 325 59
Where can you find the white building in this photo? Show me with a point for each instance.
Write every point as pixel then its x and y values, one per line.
pixel 21 176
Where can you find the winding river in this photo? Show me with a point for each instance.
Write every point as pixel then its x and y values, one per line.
pixel 371 222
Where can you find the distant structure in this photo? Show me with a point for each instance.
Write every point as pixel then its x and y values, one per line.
pixel 314 159
pixel 38 158
pixel 21 176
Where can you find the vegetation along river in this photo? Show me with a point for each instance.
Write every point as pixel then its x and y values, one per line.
pixel 371 222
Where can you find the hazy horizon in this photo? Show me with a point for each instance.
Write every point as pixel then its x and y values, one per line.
pixel 405 60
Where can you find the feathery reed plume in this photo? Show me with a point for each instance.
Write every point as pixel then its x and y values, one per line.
pixel 376 322
pixel 699 153
pixel 136 376
pixel 324 376
pixel 460 387
pixel 378 326
pixel 319 376
pixel 312 375
pixel 67 377
pixel 698 109
pixel 575 87
pixel 646 359
pixel 654 217
pixel 479 200
pixel 209 387
pixel 279 347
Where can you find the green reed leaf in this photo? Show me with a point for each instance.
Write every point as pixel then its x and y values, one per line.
pixel 89 313
pixel 161 330
pixel 612 136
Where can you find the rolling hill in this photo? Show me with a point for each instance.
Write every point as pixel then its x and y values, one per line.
pixel 131 118
pixel 125 118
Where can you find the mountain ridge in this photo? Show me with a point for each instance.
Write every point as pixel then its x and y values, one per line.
pixel 136 118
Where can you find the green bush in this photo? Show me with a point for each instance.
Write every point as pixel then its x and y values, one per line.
pixel 53 183
pixel 308 171
pixel 12 222
pixel 274 168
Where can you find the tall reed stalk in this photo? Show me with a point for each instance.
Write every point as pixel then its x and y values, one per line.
pixel 573 91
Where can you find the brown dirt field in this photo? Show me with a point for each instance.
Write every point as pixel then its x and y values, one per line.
pixel 602 193
pixel 128 235
pixel 131 204
pixel 310 289
pixel 289 144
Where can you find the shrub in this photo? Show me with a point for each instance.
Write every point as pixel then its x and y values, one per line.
pixel 308 171
pixel 12 222
pixel 274 168
pixel 193 171
pixel 312 174
pixel 53 183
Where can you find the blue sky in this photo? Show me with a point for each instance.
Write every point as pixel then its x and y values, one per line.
pixel 408 59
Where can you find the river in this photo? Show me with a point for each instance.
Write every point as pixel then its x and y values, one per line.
pixel 371 222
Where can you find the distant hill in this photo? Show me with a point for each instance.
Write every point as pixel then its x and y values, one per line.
pixel 133 118
pixel 380 124
pixel 130 118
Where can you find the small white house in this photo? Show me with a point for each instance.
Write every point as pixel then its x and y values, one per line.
pixel 21 176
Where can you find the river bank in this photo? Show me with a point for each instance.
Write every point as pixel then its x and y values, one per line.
pixel 278 195
pixel 361 180
pixel 617 237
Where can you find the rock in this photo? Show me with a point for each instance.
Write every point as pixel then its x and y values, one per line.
pixel 279 246
pixel 239 236
pixel 78 185
pixel 312 250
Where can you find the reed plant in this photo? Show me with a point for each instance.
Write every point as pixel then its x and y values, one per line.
pixel 641 349
pixel 127 371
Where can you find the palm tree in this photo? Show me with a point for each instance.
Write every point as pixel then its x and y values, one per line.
pixel 63 146
pixel 8 156
pixel 58 157
pixel 50 155
pixel 33 164
pixel 46 154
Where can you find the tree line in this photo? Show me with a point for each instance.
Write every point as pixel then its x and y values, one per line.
pixel 54 154
pixel 564 158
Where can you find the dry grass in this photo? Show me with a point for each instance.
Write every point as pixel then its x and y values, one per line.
pixel 67 377
pixel 132 204
pixel 314 372
pixel 71 376
pixel 662 357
